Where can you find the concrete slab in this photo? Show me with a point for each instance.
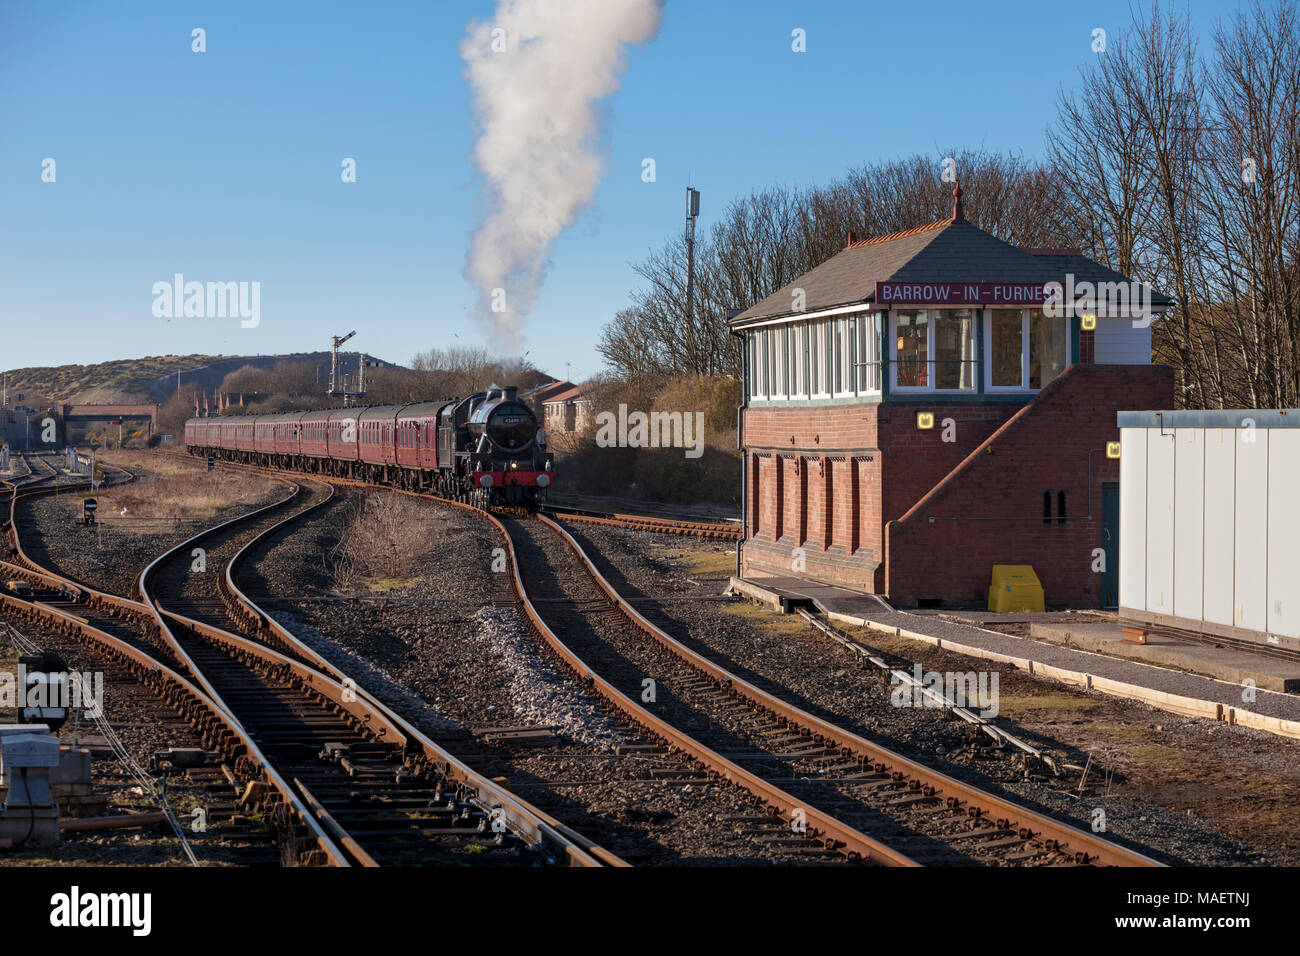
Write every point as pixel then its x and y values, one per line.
pixel 789 593
pixel 1227 664
pixel 1164 677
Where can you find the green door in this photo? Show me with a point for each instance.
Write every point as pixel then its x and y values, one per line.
pixel 1110 543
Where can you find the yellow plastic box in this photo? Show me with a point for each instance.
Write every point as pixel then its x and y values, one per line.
pixel 1015 588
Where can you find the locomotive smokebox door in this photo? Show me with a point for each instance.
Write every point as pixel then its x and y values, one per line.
pixel 88 508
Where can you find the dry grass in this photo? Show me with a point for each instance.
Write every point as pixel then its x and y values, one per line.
pixel 384 538
pixel 710 562
pixel 175 488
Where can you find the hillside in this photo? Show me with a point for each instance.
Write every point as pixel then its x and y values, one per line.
pixel 150 379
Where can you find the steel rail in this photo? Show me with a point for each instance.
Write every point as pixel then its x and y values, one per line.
pixel 1057 834
pixel 534 825
pixel 702 529
pixel 64 621
pixel 834 833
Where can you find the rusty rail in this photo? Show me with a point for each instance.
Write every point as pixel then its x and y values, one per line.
pixel 1087 847
pixel 529 823
pixel 701 529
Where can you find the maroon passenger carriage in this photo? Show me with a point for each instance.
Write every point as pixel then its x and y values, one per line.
pixel 487 448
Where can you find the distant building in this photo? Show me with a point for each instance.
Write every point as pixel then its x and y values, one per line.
pixel 568 412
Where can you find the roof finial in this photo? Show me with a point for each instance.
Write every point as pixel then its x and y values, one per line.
pixel 958 214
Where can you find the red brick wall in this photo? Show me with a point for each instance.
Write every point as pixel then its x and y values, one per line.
pixel 989 509
pixel 818 451
pixel 914 460
pixel 987 506
pixel 1087 347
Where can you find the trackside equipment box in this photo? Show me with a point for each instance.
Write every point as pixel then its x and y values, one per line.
pixel 1015 588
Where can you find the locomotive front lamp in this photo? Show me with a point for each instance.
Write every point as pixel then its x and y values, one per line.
pixel 924 420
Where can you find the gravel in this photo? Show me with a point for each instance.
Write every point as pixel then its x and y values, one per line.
pixel 448 650
pixel 145 726
pixel 788 656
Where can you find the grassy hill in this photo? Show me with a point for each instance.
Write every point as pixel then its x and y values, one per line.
pixel 150 379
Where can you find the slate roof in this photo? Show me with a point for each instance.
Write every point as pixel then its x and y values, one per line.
pixel 573 394
pixel 951 250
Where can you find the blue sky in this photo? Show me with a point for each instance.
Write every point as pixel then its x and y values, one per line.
pixel 225 165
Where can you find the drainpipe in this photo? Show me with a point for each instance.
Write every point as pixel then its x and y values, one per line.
pixel 740 440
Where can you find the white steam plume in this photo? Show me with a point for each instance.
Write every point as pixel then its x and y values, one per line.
pixel 538 70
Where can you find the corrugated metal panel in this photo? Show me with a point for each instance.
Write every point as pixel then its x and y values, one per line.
pixel 1220 523
pixel 1189 521
pixel 1160 522
pixel 1133 518
pixel 1251 577
pixel 1117 342
pixel 1284 524
pixel 1211 418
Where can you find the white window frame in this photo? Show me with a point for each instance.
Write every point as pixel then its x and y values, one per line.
pixel 843 333
pixel 779 390
pixel 819 372
pixel 865 368
pixel 1024 352
pixel 931 313
pixel 799 360
pixel 781 366
pixel 893 352
pixel 758 374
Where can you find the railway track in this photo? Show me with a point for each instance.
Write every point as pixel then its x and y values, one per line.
pixel 814 773
pixel 69 608
pixel 943 819
pixel 149 703
pixel 362 784
pixel 703 529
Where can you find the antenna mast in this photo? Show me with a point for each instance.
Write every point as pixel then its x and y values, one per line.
pixel 692 211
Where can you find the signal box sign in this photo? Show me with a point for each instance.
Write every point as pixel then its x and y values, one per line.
pixel 960 293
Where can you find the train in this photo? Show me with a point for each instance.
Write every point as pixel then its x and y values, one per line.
pixel 487 449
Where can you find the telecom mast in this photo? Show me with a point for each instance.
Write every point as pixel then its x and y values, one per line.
pixel 692 211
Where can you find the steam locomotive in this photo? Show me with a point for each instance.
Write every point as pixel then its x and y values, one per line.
pixel 487 449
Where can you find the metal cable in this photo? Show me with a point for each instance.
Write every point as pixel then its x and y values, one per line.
pixel 25 645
